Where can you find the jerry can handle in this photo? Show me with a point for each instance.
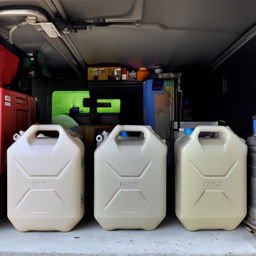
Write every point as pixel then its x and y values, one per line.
pixel 223 130
pixel 129 128
pixel 33 129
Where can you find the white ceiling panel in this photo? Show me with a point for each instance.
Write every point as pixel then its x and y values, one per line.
pixel 147 45
pixel 171 32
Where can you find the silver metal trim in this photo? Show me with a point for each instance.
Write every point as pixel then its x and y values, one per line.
pixel 249 35
pixel 24 12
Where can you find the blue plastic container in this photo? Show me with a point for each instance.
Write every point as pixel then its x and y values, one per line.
pixel 158 105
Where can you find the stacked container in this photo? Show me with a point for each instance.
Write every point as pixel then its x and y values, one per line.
pixel 210 179
pixel 251 142
pixel 130 180
pixel 45 180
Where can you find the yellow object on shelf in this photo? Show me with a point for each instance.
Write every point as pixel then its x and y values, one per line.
pixel 101 73
pixel 90 74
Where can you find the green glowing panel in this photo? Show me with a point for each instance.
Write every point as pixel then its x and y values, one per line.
pixel 62 101
pixel 114 108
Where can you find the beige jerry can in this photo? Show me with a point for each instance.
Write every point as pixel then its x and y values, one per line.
pixel 130 180
pixel 210 179
pixel 45 180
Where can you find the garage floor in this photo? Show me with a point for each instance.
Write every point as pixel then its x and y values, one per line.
pixel 170 238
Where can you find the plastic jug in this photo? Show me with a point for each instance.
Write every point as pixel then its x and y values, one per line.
pixel 210 179
pixel 251 217
pixel 130 180
pixel 45 180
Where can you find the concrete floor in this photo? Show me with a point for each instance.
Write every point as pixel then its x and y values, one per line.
pixel 170 238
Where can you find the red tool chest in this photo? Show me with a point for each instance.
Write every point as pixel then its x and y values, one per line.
pixel 17 112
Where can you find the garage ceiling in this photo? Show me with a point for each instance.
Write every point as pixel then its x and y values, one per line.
pixel 177 33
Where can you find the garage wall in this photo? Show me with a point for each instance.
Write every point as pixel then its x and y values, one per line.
pixel 235 82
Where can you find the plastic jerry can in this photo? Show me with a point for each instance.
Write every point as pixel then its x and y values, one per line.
pixel 251 217
pixel 210 179
pixel 45 178
pixel 130 179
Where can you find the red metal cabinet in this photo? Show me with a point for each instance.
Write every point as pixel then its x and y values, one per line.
pixel 17 112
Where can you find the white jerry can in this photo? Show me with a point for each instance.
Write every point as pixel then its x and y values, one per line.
pixel 210 179
pixel 130 180
pixel 45 179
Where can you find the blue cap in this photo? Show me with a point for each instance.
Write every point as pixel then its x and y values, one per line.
pixel 254 126
pixel 124 134
pixel 188 131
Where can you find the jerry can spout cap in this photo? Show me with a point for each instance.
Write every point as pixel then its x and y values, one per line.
pixel 124 134
pixel 188 131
